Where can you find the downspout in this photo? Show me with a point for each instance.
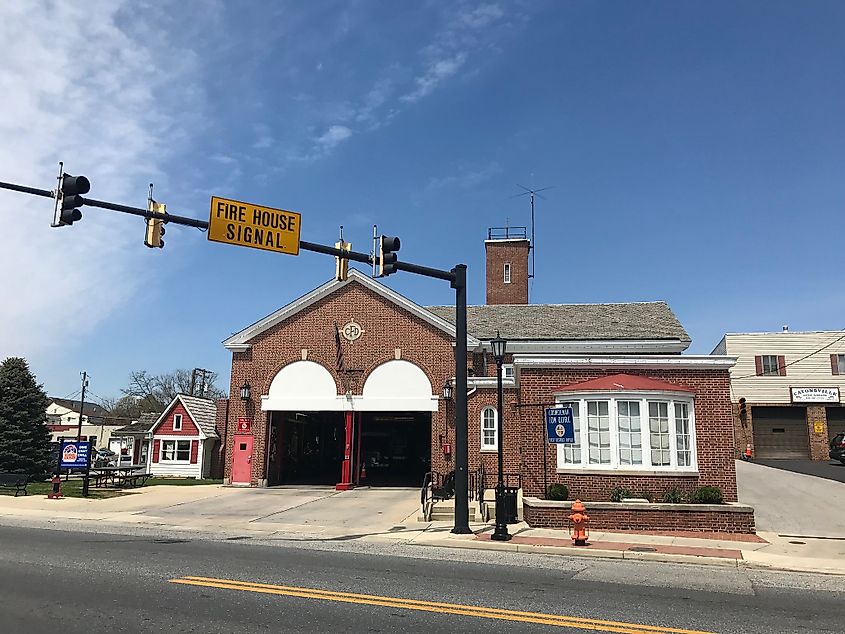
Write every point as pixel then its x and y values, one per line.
pixel 224 446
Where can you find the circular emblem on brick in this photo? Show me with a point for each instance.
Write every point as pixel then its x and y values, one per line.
pixel 352 330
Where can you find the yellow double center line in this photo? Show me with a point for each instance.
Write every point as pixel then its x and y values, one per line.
pixel 434 606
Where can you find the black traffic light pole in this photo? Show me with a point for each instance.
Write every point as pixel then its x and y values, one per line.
pixel 457 277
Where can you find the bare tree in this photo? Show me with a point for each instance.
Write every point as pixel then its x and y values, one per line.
pixel 159 389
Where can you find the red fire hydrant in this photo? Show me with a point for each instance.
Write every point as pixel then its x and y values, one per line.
pixel 578 530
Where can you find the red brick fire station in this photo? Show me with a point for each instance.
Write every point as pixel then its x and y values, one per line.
pixel 345 386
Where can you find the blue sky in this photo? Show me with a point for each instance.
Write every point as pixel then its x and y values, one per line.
pixel 695 149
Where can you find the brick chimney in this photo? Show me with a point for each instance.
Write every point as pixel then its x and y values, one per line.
pixel 507 266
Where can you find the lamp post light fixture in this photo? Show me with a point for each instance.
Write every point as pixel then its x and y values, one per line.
pixel 447 390
pixel 500 533
pixel 245 391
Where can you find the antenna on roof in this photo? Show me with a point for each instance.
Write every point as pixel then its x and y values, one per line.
pixel 532 193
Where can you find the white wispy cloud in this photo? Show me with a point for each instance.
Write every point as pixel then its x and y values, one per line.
pixel 82 88
pixel 465 31
pixel 465 178
pixel 481 16
pixel 223 159
pixel 438 71
pixel 335 135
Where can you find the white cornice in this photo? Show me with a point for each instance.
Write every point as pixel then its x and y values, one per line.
pixel 239 342
pixel 489 382
pixel 680 361
pixel 636 346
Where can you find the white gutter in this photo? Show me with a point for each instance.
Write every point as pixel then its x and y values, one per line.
pixel 710 362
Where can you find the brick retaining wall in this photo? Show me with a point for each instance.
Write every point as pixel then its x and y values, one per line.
pixel 722 518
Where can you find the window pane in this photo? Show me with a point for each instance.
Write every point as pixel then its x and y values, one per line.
pixel 598 427
pixel 682 434
pixel 770 365
pixel 183 450
pixel 488 428
pixel 168 450
pixel 630 434
pixel 658 426
pixel 571 454
pixel 840 359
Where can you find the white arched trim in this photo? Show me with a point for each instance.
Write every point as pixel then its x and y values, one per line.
pixel 399 386
pixel 394 386
pixel 301 386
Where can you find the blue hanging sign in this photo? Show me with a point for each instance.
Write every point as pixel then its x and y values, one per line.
pixel 559 426
pixel 75 454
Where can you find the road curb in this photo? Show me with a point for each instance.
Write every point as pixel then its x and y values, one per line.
pixel 725 562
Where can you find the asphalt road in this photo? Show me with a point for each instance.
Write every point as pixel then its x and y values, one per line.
pixel 57 581
pixel 828 469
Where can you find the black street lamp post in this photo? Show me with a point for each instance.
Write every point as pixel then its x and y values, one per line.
pixel 500 533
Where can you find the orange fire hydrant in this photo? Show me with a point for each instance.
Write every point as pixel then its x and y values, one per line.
pixel 579 518
pixel 749 455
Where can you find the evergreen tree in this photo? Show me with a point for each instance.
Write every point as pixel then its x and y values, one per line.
pixel 24 436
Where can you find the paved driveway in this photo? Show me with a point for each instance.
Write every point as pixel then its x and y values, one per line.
pixel 792 503
pixel 314 511
pixel 830 469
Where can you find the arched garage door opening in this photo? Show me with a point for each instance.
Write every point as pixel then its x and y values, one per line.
pixel 385 431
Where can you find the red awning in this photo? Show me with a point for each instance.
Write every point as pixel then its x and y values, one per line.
pixel 623 383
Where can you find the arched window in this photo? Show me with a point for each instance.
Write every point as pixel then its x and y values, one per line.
pixel 489 429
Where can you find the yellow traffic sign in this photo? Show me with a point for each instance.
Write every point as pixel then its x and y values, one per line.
pixel 248 225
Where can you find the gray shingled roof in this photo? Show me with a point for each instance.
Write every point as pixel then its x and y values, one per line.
pixel 204 413
pixel 140 426
pixel 570 322
pixel 91 409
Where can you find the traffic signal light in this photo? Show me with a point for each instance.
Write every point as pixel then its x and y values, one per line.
pixel 68 198
pixel 743 410
pixel 387 246
pixel 342 264
pixel 155 226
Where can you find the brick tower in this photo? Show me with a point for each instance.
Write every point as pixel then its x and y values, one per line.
pixel 507 265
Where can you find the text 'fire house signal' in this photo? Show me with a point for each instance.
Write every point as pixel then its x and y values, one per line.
pixel 248 225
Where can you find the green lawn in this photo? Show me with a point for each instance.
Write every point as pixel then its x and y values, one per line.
pixel 70 489
pixel 73 488
pixel 181 481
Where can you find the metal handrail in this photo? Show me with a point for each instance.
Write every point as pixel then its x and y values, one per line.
pixel 505 233
pixel 507 479
pixel 426 499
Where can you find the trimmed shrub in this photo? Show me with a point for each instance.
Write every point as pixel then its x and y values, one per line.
pixel 646 495
pixel 706 495
pixel 673 496
pixel 617 494
pixel 557 491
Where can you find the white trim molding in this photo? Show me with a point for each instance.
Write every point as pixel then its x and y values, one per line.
pixel 679 361
pixel 239 342
pixel 586 347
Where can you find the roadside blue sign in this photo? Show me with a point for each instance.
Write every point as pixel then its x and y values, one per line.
pixel 75 454
pixel 559 426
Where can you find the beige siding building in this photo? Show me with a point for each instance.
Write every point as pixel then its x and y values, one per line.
pixel 786 391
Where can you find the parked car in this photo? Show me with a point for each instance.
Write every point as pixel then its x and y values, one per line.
pixel 104 458
pixel 837 448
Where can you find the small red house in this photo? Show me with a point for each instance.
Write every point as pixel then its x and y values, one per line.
pixel 184 438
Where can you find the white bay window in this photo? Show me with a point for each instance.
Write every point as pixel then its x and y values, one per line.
pixel 648 432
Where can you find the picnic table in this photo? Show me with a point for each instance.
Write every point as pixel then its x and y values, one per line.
pixel 124 475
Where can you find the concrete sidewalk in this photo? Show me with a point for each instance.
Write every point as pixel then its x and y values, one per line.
pixel 315 514
pixel 766 550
